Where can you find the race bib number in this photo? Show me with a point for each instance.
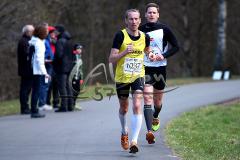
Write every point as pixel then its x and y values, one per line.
pixel 133 65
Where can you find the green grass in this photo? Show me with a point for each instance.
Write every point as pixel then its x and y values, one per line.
pixel 191 80
pixel 183 81
pixel 208 133
pixel 9 107
pixel 97 92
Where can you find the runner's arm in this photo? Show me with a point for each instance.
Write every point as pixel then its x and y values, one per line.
pixel 117 42
pixel 115 55
pixel 170 37
pixel 147 48
pixel 148 51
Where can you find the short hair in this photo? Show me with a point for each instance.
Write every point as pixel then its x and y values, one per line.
pixel 152 5
pixel 131 10
pixel 27 28
pixel 44 24
pixel 41 31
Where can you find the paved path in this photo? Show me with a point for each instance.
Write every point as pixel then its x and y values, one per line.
pixel 93 134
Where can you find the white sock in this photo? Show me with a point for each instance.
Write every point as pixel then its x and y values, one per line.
pixel 136 126
pixel 123 120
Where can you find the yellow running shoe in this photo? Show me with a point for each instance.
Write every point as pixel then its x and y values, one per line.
pixel 155 124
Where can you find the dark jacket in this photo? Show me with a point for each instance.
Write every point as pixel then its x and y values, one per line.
pixel 64 59
pixel 24 58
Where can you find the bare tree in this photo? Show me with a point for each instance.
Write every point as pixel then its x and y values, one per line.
pixel 221 36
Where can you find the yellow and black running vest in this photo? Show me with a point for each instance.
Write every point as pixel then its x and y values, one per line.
pixel 131 66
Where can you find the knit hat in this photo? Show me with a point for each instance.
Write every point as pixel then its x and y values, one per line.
pixel 77 46
pixel 60 28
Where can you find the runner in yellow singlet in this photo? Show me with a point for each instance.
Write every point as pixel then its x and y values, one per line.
pixel 127 53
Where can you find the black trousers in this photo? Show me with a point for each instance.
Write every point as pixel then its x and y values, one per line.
pixel 25 90
pixel 76 87
pixel 65 91
pixel 36 92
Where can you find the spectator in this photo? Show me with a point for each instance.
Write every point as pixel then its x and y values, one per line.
pixel 24 68
pixel 77 73
pixel 44 86
pixel 38 64
pixel 63 64
pixel 53 89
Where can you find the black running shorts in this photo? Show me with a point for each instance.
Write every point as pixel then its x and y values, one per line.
pixel 123 89
pixel 156 76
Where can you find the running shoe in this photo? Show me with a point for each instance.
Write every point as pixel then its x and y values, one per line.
pixel 124 141
pixel 150 137
pixel 47 107
pixel 78 108
pixel 133 148
pixel 155 124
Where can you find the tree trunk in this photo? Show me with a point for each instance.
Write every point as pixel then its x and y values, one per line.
pixel 221 36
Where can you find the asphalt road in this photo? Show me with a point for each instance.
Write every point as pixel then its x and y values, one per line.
pixel 94 132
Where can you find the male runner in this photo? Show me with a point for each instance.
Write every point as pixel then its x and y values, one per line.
pixel 127 53
pixel 160 38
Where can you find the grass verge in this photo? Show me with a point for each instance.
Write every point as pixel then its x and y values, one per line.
pixel 98 92
pixel 207 133
pixel 9 107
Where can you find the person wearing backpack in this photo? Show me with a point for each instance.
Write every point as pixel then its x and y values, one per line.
pixel 24 68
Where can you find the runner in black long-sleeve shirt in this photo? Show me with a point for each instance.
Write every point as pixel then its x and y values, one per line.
pixel 161 38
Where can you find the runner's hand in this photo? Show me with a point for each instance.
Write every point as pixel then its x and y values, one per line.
pixel 159 57
pixel 129 48
pixel 152 56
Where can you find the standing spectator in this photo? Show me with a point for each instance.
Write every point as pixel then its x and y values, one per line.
pixel 38 64
pixel 63 64
pixel 77 72
pixel 53 89
pixel 24 68
pixel 44 86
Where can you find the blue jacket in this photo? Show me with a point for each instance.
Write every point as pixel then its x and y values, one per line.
pixel 48 53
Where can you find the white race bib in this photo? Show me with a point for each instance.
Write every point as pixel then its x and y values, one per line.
pixel 133 65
